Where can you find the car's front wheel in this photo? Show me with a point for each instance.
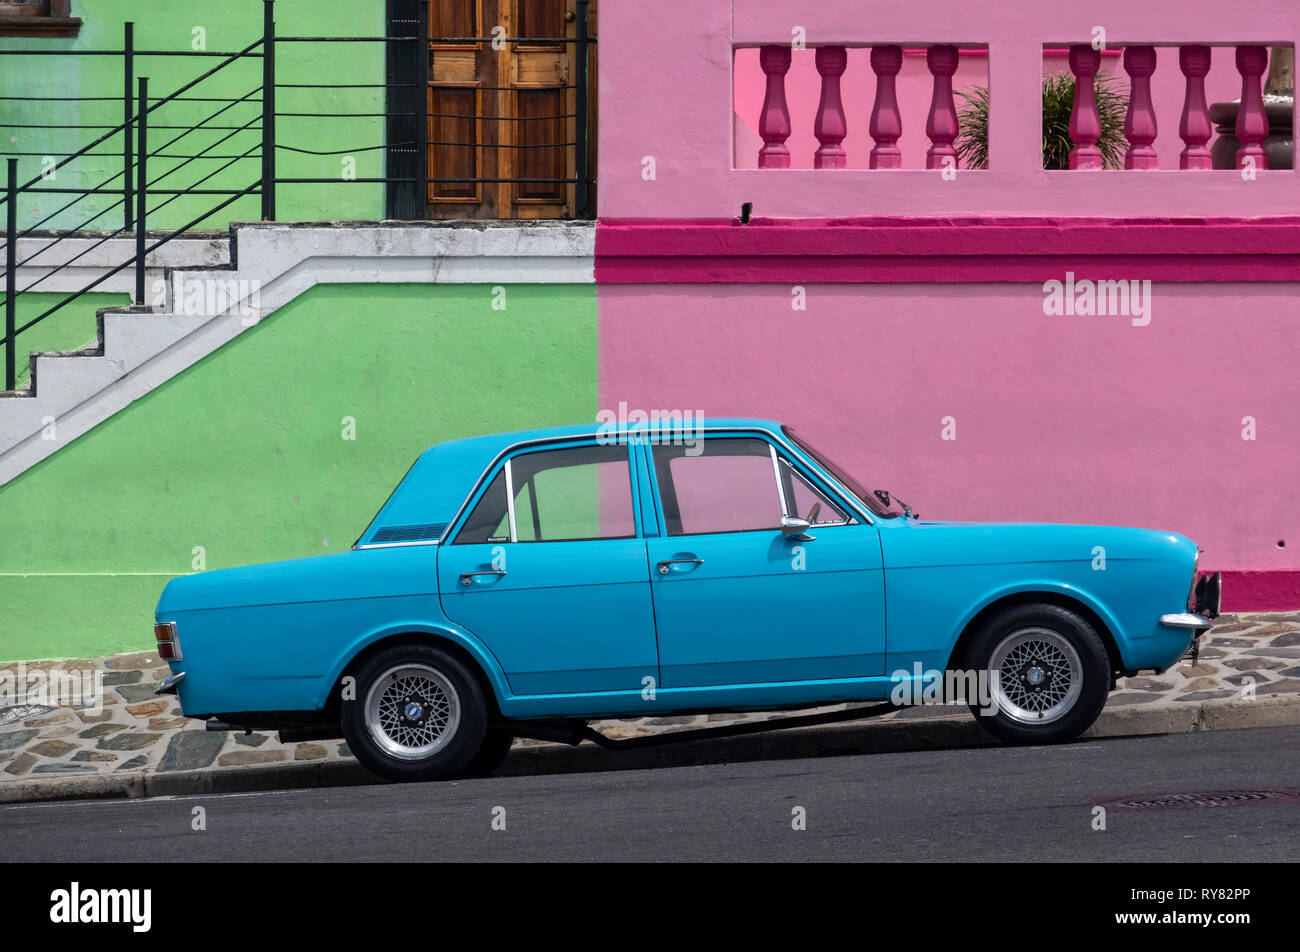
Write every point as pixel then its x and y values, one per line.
pixel 1047 674
pixel 418 714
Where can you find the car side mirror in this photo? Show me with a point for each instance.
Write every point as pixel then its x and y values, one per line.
pixel 796 528
pixel 793 525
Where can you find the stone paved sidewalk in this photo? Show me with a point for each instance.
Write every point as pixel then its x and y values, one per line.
pixel 138 732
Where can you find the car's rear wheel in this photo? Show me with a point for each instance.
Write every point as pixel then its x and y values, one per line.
pixel 1047 673
pixel 419 714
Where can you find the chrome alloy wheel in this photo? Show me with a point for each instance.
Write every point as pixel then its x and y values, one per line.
pixel 412 711
pixel 1037 675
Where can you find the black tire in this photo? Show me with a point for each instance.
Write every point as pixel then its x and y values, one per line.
pixel 496 747
pixel 436 689
pixel 1054 674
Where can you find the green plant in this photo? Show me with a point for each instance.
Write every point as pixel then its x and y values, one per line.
pixel 972 142
pixel 1058 99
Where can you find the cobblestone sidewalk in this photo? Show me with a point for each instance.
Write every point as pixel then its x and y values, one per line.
pixel 136 731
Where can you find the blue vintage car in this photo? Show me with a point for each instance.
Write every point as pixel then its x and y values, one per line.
pixel 519 585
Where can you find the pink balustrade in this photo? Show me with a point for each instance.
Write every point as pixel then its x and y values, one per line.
pixel 840 86
pixel 941 126
pixel 774 125
pixel 833 109
pixel 1140 122
pixel 831 125
pixel 886 122
pixel 1195 127
pixel 1085 124
pixel 1252 123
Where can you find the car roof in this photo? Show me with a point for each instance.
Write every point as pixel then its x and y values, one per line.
pixel 431 493
pixel 497 442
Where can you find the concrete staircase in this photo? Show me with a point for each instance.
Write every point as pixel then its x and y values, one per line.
pixel 268 265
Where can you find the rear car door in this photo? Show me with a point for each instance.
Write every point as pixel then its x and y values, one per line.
pixel 549 570
pixel 738 602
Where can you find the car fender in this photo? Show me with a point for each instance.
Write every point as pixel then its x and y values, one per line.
pixel 444 629
pixel 1052 586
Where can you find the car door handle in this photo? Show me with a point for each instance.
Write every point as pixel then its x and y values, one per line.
pixel 666 563
pixel 467 578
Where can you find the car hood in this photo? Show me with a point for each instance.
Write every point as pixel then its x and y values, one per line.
pixel 922 542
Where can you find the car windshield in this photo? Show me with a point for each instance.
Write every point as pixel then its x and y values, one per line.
pixel 879 502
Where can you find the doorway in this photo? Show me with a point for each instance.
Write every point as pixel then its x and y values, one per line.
pixel 511 109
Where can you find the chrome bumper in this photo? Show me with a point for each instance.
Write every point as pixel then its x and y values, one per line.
pixel 168 684
pixel 1186 620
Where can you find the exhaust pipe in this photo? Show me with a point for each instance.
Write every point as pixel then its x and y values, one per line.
pixel 218 726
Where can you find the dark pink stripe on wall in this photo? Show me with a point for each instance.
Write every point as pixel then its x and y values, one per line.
pixel 1262 591
pixel 986 250
pixel 938 269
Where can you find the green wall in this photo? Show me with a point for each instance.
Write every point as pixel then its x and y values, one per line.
pixel 94 86
pixel 69 328
pixel 243 453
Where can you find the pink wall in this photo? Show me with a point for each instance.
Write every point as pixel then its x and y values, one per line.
pixel 858 86
pixel 1059 419
pixel 925 296
pixel 666 94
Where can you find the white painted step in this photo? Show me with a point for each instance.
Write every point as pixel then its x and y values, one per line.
pixel 273 264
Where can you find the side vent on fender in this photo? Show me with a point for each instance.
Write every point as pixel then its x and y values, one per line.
pixel 423 533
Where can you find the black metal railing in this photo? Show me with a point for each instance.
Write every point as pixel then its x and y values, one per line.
pixel 134 194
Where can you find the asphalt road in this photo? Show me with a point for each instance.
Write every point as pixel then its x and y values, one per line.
pixel 967 805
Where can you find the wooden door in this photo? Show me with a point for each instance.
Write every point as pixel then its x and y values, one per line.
pixel 502 108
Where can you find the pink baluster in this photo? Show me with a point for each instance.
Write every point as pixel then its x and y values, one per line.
pixel 1140 122
pixel 941 126
pixel 886 122
pixel 1085 124
pixel 831 126
pixel 1194 128
pixel 1252 123
pixel 774 122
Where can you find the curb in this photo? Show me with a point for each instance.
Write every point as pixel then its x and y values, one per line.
pixel 957 730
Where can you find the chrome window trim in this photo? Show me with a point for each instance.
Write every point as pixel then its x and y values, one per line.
pixel 780 489
pixel 850 501
pixel 854 503
pixel 395 545
pixel 796 474
pixel 510 499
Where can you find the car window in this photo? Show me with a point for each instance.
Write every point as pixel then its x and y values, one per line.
pixel 802 495
pixel 581 492
pixel 888 510
pixel 729 487
pixel 490 520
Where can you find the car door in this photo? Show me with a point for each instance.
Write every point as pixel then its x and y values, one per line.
pixel 549 570
pixel 738 602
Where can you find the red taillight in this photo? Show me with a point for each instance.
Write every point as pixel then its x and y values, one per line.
pixel 169 648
